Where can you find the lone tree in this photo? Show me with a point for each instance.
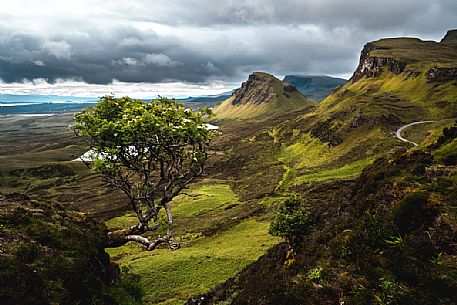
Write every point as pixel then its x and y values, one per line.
pixel 150 151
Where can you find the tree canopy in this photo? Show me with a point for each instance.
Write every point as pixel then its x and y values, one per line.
pixel 150 151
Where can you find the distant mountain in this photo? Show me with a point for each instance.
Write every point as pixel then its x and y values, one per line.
pixel 37 98
pixel 216 98
pixel 314 86
pixel 15 104
pixel 262 95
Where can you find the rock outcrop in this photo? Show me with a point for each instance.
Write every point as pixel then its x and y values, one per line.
pixel 442 74
pixel 49 255
pixel 371 66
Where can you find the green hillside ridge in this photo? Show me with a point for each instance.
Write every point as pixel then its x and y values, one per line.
pixel 364 234
pixel 357 121
pixel 386 238
pixel 261 96
pixel 316 87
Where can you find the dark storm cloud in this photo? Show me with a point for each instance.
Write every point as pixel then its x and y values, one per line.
pixel 368 15
pixel 200 41
pixel 97 59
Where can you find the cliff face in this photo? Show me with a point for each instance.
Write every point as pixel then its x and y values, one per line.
pixel 371 66
pixel 436 61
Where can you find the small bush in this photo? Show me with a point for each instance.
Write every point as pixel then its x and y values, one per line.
pixel 315 274
pixel 291 222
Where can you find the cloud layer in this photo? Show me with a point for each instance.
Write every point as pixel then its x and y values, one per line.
pixel 201 42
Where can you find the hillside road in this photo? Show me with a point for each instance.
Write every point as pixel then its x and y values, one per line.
pixel 399 130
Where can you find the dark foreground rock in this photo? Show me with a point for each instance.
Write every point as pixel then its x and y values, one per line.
pixel 51 256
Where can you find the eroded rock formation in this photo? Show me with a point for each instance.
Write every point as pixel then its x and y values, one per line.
pixel 371 66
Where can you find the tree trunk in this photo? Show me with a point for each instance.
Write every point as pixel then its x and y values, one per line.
pixel 120 237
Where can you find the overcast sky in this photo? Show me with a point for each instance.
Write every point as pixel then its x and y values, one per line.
pixel 191 47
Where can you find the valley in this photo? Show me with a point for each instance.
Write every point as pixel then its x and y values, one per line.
pixel 382 209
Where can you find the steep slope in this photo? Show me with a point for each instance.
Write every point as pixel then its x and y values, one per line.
pixel 398 81
pixel 386 238
pixel 352 127
pixel 314 86
pixel 422 73
pixel 261 96
pixel 49 255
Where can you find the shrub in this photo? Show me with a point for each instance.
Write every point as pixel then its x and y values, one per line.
pixel 291 222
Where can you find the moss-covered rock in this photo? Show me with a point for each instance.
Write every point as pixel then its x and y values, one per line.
pixel 51 256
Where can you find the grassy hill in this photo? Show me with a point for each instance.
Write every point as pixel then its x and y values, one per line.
pixel 261 96
pixel 366 229
pixel 316 87
pixel 387 237
pixel 356 123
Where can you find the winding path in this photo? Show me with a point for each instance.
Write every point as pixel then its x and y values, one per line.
pixel 399 130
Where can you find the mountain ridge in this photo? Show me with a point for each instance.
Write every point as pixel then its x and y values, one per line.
pixel 262 95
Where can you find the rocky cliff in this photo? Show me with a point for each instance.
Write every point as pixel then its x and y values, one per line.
pixel 442 74
pixel 371 66
pixel 411 56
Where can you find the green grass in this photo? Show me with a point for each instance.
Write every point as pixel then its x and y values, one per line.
pixel 204 199
pixel 288 177
pixel 172 277
pixel 207 196
pixel 446 152
pixel 347 171
pixel 418 133
pixel 309 160
pixel 435 131
pixel 306 152
pixel 415 51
